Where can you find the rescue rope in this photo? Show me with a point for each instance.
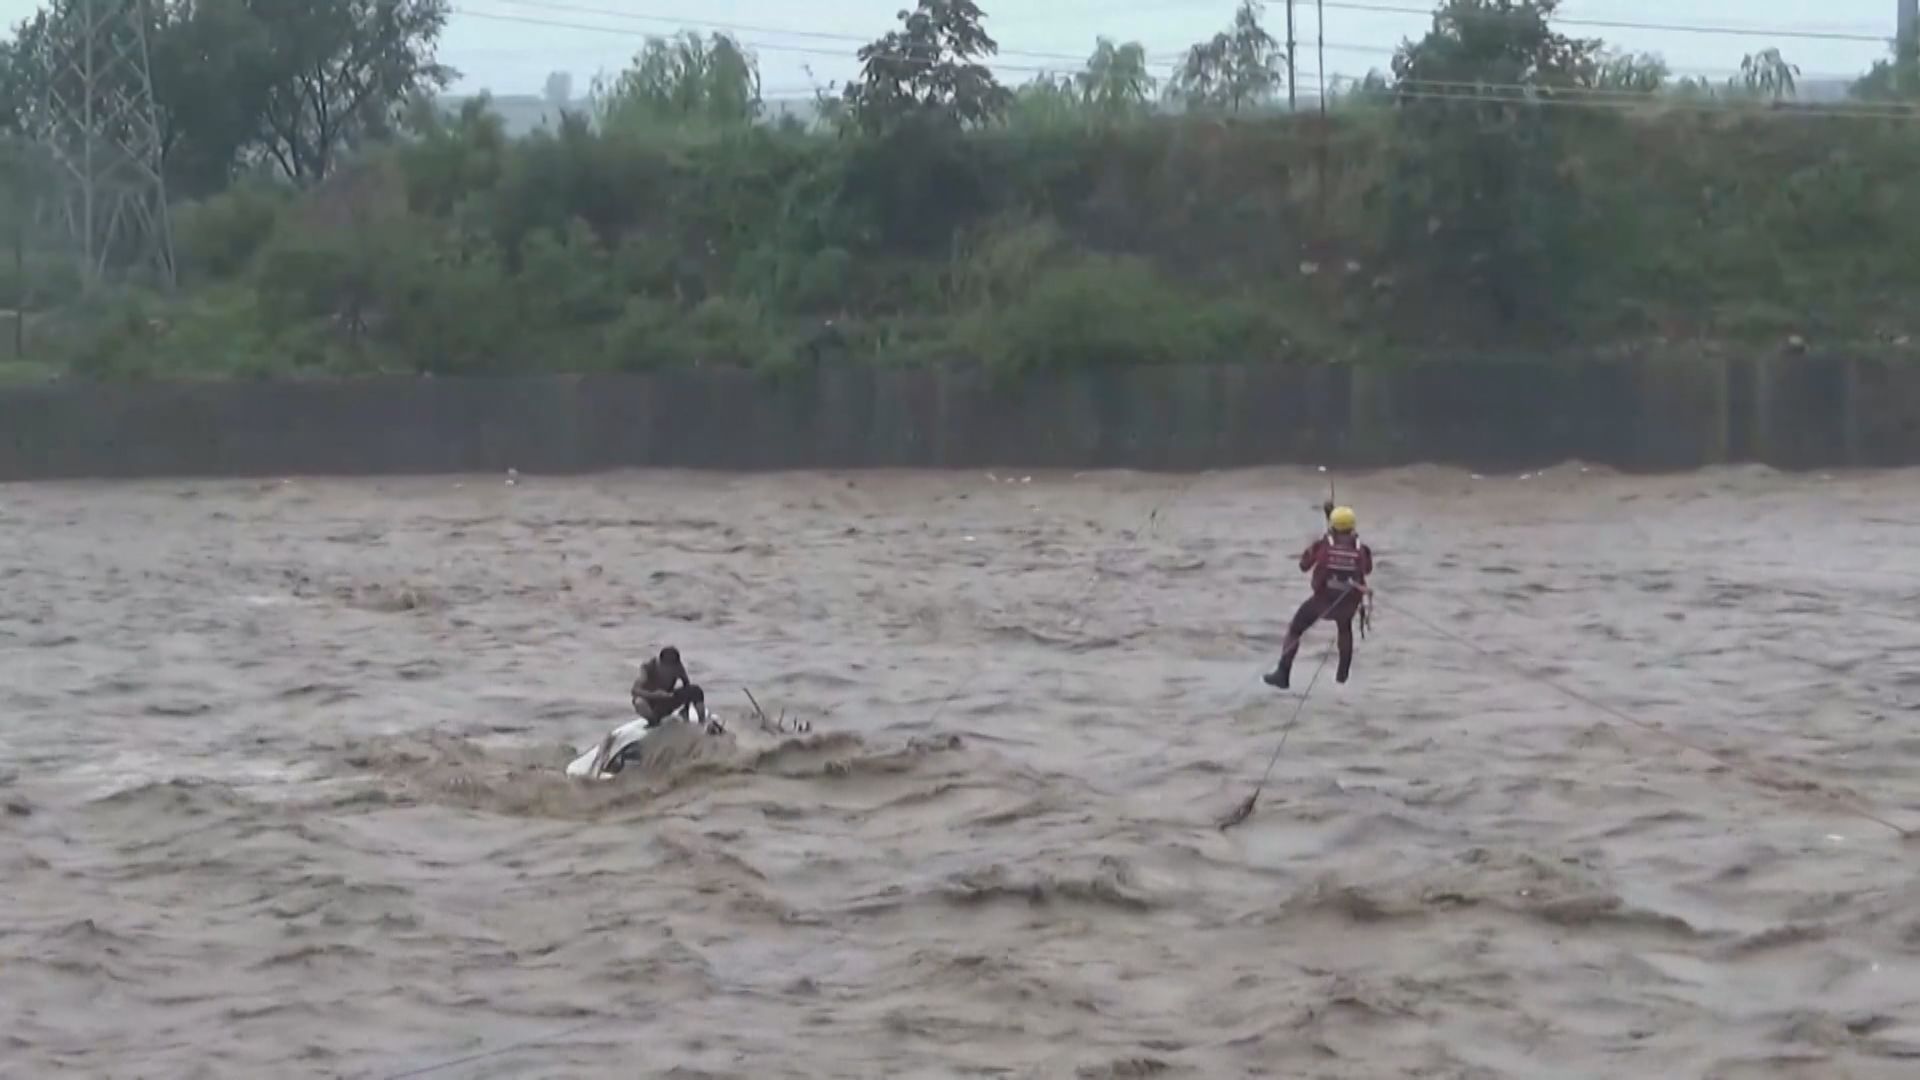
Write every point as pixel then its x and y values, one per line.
pixel 1245 809
pixel 524 1044
pixel 1166 500
pixel 1855 805
pixel 1848 803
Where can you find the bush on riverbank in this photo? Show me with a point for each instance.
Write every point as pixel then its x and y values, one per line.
pixel 1395 226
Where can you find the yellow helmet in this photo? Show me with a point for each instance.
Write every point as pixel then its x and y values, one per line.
pixel 1341 520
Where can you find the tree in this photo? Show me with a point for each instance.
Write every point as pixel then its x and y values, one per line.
pixel 1641 73
pixel 1234 69
pixel 343 71
pixel 1890 81
pixel 929 70
pixel 293 81
pixel 26 177
pixel 1049 101
pixel 829 106
pixel 688 79
pixel 31 69
pixel 1199 80
pixel 1478 200
pixel 1116 81
pixel 1767 74
pixel 213 68
pixel 1477 45
pixel 1693 88
pixel 40 67
pixel 13 90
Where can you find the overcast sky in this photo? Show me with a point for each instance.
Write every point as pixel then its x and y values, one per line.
pixel 509 46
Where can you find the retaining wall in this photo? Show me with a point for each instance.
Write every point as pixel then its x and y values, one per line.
pixel 1792 412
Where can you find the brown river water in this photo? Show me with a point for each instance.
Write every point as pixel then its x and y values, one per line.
pixel 281 790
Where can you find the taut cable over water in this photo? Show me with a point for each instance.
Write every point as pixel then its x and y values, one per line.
pixel 498 1051
pixel 1854 808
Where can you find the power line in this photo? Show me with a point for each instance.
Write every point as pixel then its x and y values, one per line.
pixel 529 20
pixel 1785 32
pixel 746 28
pixel 1388 50
pixel 1346 5
pixel 1558 97
pixel 1628 24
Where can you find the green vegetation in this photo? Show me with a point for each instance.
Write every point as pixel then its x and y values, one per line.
pixel 1505 187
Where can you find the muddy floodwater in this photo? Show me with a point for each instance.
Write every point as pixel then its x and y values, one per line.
pixel 281 790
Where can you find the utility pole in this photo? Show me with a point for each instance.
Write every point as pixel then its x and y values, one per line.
pixel 1292 103
pixel 1320 140
pixel 102 129
pixel 1907 36
pixel 1320 31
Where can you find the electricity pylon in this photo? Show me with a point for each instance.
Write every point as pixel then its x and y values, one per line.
pixel 102 129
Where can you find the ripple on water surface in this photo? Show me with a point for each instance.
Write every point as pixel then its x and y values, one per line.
pixel 280 787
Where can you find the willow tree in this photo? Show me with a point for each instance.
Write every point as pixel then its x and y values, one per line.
pixel 685 80
pixel 1116 81
pixel 1240 68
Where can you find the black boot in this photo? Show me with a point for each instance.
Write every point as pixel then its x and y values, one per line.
pixel 1346 667
pixel 1281 676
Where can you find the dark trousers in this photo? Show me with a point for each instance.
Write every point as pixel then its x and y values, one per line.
pixel 1341 607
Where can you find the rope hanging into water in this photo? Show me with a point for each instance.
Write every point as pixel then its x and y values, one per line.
pixel 1245 809
pixel 1850 804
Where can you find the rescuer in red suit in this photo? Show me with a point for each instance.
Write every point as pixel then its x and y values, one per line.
pixel 1339 564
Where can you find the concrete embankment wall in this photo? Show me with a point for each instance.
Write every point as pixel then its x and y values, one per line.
pixel 1792 412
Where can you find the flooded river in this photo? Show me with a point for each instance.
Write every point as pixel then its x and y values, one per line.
pixel 280 777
